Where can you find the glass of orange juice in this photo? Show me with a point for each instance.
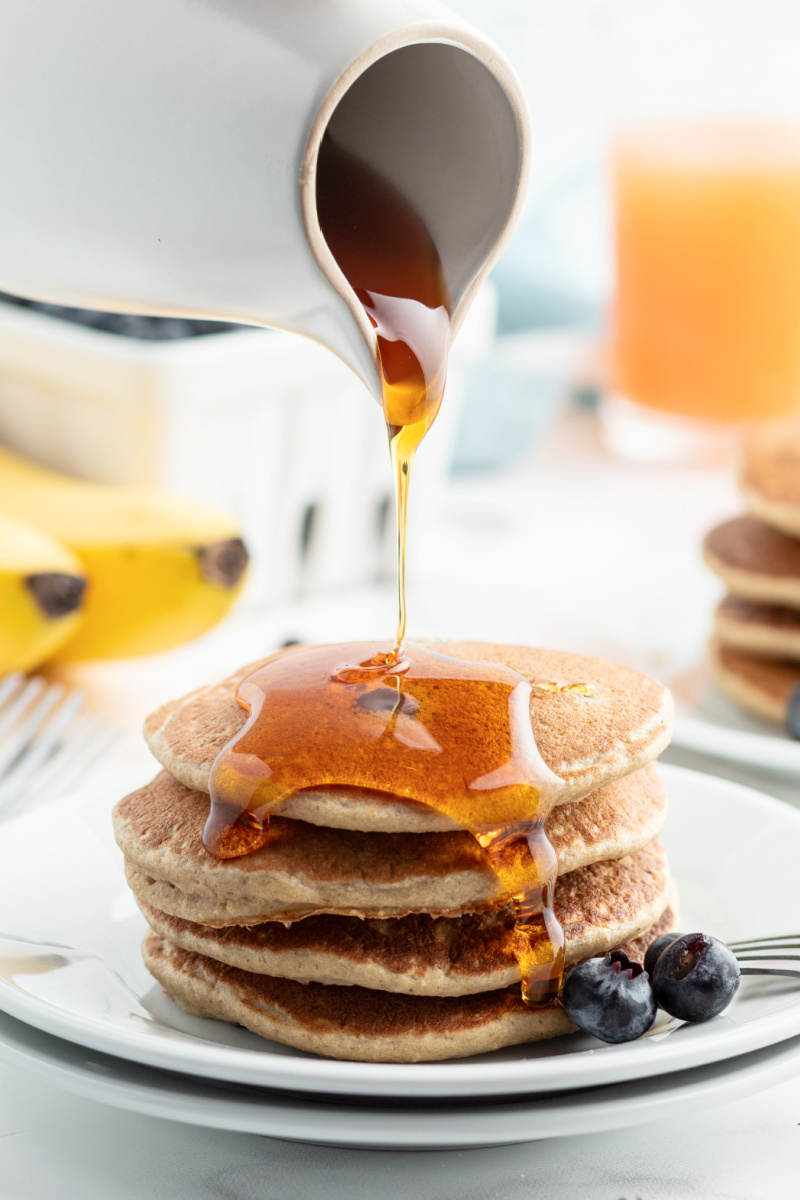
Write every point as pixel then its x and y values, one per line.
pixel 705 331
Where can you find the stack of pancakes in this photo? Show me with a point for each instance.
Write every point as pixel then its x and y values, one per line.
pixel 370 926
pixel 755 653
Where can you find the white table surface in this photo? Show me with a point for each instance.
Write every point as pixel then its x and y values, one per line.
pixel 567 548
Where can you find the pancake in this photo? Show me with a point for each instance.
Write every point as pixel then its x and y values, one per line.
pixel 353 1022
pixel 587 740
pixel 350 1022
pixel 769 476
pixel 768 630
pixel 598 907
pixel 755 561
pixel 761 685
pixel 305 869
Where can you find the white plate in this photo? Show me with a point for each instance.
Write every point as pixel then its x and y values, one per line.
pixel 390 1125
pixel 70 961
pixel 710 723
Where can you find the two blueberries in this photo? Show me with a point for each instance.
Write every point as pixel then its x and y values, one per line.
pixel 691 976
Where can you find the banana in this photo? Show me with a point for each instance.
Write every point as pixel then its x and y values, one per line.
pixel 161 568
pixel 42 588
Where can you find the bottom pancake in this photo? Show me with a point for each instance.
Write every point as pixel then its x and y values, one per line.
pixel 350 1022
pixel 598 906
pixel 761 685
pixel 355 1022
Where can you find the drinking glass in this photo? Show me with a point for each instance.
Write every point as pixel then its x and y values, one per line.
pixel 705 170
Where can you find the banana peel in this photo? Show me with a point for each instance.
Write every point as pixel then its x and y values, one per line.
pixel 161 569
pixel 42 594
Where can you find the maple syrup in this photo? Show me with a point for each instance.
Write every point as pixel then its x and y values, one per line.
pixel 407 721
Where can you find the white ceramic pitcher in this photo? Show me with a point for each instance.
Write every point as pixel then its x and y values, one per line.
pixel 159 156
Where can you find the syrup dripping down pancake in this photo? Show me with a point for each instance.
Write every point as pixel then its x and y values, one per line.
pixel 599 906
pixel 354 1022
pixel 306 868
pixel 620 724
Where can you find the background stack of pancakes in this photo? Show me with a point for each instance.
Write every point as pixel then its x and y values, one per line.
pixel 370 927
pixel 755 653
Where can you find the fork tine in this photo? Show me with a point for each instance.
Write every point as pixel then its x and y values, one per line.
pixel 787 973
pixel 89 737
pixel 43 701
pixel 46 745
pixel 9 684
pixel 765 947
pixel 40 748
pixel 18 701
pixel 768 957
pixel 47 779
pixel 102 739
pixel 768 941
pixel 768 950
pixel 65 767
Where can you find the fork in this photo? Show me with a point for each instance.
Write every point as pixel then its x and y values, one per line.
pixel 47 743
pixel 769 949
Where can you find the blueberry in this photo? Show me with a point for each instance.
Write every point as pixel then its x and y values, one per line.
pixel 656 949
pixel 695 978
pixel 610 997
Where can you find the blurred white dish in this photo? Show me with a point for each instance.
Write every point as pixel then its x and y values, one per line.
pixel 70 962
pixel 710 723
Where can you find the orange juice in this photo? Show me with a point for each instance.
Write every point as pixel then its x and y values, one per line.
pixel 707 320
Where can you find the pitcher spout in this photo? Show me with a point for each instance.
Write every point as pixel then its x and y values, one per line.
pixel 439 115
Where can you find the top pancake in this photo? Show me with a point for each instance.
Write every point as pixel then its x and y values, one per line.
pixel 770 475
pixel 587 740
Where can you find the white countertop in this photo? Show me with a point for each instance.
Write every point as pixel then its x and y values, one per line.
pixel 567 548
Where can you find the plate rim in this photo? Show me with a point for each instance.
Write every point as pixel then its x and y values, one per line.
pixel 776 755
pixel 773 754
pixel 591 1110
pixel 229 1064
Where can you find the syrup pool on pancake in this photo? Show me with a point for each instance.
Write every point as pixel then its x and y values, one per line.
pixel 409 721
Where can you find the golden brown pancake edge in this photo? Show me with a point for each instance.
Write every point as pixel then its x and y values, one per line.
pixel 766 630
pixel 761 685
pixel 352 1022
pixel 769 475
pixel 755 561
pixel 599 907
pixel 309 868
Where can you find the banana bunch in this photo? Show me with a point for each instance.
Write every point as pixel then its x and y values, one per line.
pixel 158 569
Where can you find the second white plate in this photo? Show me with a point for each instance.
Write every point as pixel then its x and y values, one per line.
pixel 710 723
pixel 377 1125
pixel 70 962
